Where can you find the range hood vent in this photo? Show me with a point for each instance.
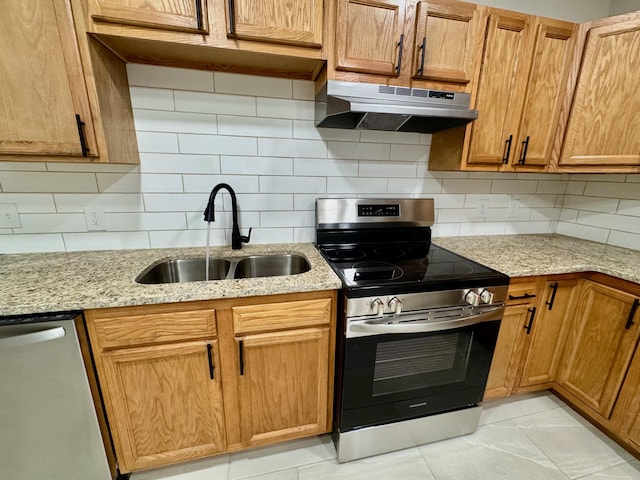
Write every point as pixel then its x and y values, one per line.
pixel 369 106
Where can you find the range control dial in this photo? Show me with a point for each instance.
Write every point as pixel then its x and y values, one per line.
pixel 472 298
pixel 486 296
pixel 395 304
pixel 377 306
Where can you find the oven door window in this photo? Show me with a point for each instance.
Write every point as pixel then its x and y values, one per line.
pixel 419 363
pixel 393 377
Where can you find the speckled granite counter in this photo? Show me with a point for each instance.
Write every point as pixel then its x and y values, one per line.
pixel 47 282
pixel 525 255
pixel 42 282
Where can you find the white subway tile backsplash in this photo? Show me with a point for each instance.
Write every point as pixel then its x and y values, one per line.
pixel 254 127
pixel 175 122
pixel 113 202
pixel 355 186
pixel 389 170
pixel 282 147
pixel 152 98
pixel 197 129
pixel 41 242
pixel 214 103
pixel 30 202
pixel 256 165
pixel 105 240
pixel 281 108
pixel 359 151
pixel 177 163
pixel 123 222
pixel 154 142
pixel 169 77
pixel 253 85
pixel 205 183
pixel 217 144
pixel 47 182
pixel 325 167
pixel 275 184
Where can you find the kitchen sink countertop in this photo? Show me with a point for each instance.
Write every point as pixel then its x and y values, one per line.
pixel 47 282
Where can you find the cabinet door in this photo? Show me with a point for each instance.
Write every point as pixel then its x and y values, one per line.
pixel 297 22
pixel 283 385
pixel 634 434
pixel 549 70
pixel 178 15
pixel 368 35
pixel 506 358
pixel 548 332
pixel 503 79
pixel 448 37
pixel 603 127
pixel 42 84
pixel 600 345
pixel 163 406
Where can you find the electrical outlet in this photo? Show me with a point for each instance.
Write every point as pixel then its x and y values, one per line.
pixel 512 209
pixel 9 216
pixel 481 207
pixel 95 219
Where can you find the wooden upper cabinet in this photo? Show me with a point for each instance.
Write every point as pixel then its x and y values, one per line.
pixel 503 79
pixel 177 15
pixel 604 127
pixel 601 341
pixel 296 22
pixel 44 97
pixel 549 70
pixel 448 39
pixel 369 36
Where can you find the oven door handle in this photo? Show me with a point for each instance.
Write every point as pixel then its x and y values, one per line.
pixel 383 326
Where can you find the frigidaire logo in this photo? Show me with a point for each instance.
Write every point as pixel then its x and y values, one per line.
pixel 416 405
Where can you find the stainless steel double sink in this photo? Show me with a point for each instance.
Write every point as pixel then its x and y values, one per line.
pixel 193 269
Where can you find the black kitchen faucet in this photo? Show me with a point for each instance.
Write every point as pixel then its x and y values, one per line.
pixel 236 239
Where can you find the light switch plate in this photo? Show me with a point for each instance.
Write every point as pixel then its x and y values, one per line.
pixel 9 216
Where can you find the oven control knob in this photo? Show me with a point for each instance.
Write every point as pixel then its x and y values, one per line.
pixel 377 306
pixel 396 305
pixel 472 298
pixel 486 296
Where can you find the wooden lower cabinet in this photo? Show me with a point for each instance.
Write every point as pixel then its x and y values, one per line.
pixel 194 379
pixel 601 342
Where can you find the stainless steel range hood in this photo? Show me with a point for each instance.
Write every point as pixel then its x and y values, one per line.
pixel 370 106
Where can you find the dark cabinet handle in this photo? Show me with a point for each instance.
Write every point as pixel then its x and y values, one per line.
pixel 508 143
pixel 422 47
pixel 520 297
pixel 529 324
pixel 83 142
pixel 232 18
pixel 241 355
pixel 400 46
pixel 632 313
pixel 210 355
pixel 554 290
pixel 199 13
pixel 525 147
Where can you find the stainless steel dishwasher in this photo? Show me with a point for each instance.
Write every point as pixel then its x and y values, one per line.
pixel 48 424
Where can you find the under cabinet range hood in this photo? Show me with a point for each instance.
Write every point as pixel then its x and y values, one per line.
pixel 370 106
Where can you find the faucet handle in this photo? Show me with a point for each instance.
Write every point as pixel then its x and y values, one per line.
pixel 246 239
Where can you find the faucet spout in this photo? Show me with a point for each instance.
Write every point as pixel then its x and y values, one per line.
pixel 209 215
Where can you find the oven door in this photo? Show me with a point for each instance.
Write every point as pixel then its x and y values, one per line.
pixel 396 376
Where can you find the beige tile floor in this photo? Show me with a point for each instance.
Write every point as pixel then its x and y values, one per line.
pixel 532 436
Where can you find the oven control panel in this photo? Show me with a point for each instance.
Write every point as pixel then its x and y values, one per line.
pixel 379 210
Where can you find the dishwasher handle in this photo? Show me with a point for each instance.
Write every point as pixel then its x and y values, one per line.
pixel 30 338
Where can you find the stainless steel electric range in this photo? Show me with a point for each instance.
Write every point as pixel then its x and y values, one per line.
pixel 418 326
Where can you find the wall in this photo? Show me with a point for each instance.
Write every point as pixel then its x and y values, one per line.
pixel 623 6
pixel 571 10
pixel 196 129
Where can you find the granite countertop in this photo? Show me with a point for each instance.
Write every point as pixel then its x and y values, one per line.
pixel 48 282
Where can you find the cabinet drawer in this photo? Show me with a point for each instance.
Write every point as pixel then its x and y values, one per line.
pixel 149 325
pixel 522 293
pixel 276 316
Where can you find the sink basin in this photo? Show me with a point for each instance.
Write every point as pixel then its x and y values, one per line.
pixel 193 269
pixel 186 270
pixel 271 266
